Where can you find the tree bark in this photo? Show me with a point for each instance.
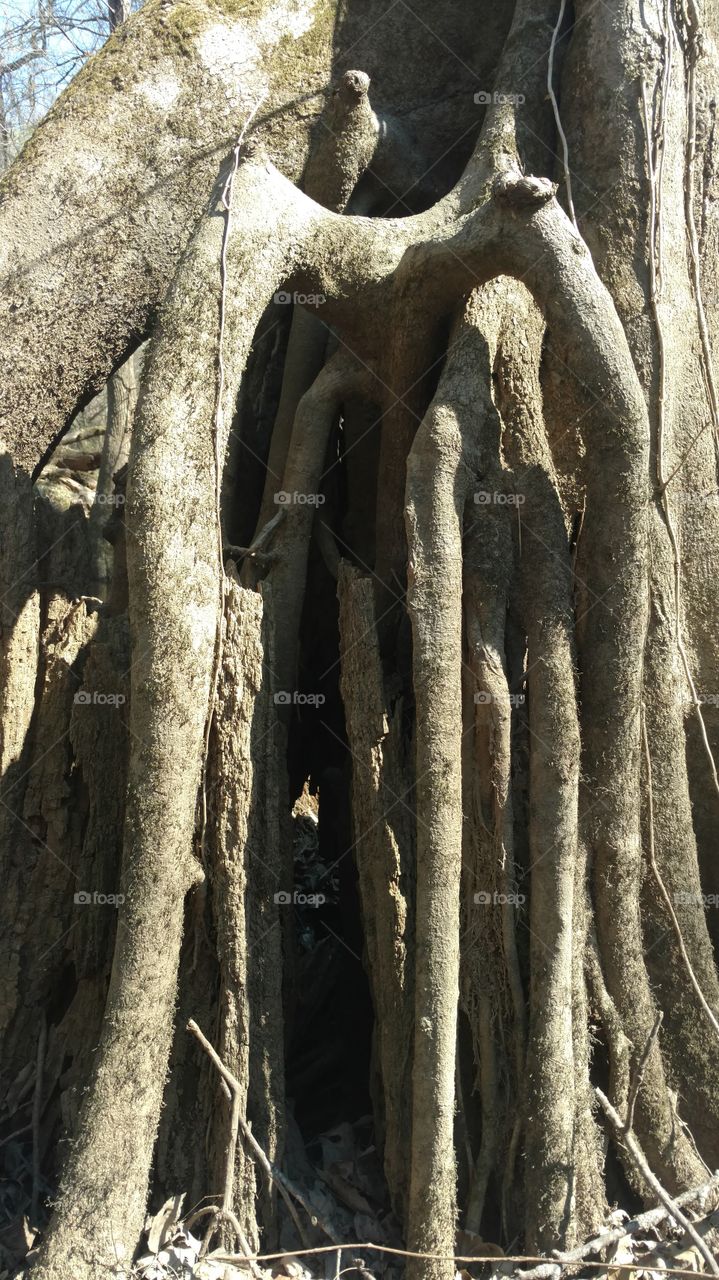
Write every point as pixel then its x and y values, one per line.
pixel 175 610
pixel 518 835
pixel 94 217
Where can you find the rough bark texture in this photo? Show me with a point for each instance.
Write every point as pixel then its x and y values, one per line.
pixel 246 875
pixel 111 185
pixel 478 553
pixel 384 834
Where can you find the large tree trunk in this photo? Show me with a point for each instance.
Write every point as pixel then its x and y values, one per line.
pixel 473 581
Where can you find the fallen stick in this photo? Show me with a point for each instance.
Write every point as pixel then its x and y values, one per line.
pixel 219 1215
pixel 286 1188
pixel 219 1255
pixel 634 1151
pixel 643 1222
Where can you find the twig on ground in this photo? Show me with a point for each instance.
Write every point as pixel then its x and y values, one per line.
pixel 367 1246
pixel 643 1222
pixel 223 1214
pixel 286 1188
pixel 634 1151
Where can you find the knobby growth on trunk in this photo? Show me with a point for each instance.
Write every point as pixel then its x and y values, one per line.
pixel 438 542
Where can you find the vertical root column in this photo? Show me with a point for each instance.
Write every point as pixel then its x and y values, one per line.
pixel 553 835
pixel 438 478
pixel 384 844
pixel 612 600
pixel 172 571
pixel 564 1184
pixel 492 986
pixel 245 876
pixel 491 982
